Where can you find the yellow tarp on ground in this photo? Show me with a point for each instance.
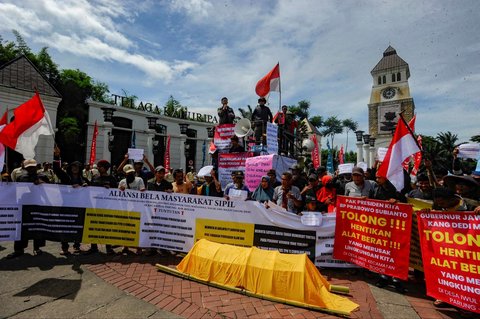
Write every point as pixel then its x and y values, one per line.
pixel 264 272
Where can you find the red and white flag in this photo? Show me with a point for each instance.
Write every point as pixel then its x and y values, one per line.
pixel 167 156
pixel 406 162
pixel 402 146
pixel 93 147
pixel 30 121
pixel 3 122
pixel 269 83
pixel 341 155
pixel 417 158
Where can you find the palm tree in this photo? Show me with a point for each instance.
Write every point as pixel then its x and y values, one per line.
pixel 475 138
pixel 246 113
pixel 349 125
pixel 332 127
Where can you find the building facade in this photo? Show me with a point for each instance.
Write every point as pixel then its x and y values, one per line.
pixel 390 95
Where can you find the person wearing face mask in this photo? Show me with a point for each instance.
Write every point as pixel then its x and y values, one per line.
pixel 327 195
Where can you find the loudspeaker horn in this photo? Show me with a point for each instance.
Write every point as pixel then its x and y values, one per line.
pixel 308 145
pixel 243 128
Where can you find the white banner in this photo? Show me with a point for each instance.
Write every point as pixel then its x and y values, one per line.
pixel 157 219
pixel 272 138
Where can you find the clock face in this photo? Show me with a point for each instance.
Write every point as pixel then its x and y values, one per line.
pixel 388 93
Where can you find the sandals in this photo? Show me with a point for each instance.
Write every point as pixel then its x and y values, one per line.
pixel 440 304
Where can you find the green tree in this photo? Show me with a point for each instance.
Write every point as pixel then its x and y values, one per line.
pixel 246 113
pixel 8 51
pixel 349 125
pixel 70 129
pixel 101 93
pixel 316 121
pixel 45 64
pixel 332 126
pixel 475 138
pixel 173 107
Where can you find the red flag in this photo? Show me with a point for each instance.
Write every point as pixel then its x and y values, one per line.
pixel 212 148
pixel 406 162
pixel 270 82
pixel 30 121
pixel 402 146
pixel 93 147
pixel 167 155
pixel 3 120
pixel 340 155
pixel 417 158
pixel 315 153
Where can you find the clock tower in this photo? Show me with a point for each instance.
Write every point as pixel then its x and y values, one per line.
pixel 390 96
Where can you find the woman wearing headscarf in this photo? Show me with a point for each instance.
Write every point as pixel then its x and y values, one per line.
pixel 264 191
pixel 327 195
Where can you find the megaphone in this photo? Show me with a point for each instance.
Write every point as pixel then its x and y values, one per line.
pixel 308 145
pixel 243 128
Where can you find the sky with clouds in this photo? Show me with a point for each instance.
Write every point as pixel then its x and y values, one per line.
pixel 201 50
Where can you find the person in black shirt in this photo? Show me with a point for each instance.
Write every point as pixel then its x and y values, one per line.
pixel 226 114
pixel 158 183
pixel 212 186
pixel 260 116
pixel 236 147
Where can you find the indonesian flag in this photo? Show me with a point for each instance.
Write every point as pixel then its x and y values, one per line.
pixel 93 147
pixel 315 152
pixel 402 146
pixel 269 83
pixel 167 155
pixel 406 162
pixel 30 121
pixel 417 158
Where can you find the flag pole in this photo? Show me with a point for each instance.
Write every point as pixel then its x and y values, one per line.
pixel 409 129
pixel 279 88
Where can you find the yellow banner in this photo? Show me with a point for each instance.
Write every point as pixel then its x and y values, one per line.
pixel 108 226
pixel 238 234
pixel 415 252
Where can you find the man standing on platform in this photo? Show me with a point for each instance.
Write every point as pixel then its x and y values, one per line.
pixel 260 116
pixel 226 115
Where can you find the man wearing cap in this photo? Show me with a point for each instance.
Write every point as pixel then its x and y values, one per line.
pixel 359 186
pixel 226 115
pixel 103 179
pixel 30 176
pixel 298 179
pixel 138 166
pixel 131 181
pixel 424 189
pixel 260 117
pixel 159 183
pixel 16 172
pixel 237 189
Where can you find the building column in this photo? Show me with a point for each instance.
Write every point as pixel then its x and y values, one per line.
pixel 183 160
pixel 150 137
pixel 106 133
pixel 372 156
pixel 366 154
pixel 359 151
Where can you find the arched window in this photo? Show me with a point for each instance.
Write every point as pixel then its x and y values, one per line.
pixel 379 80
pixel 399 76
pixel 393 77
pixel 384 78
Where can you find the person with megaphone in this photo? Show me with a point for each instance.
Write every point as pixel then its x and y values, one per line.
pixel 260 116
pixel 226 115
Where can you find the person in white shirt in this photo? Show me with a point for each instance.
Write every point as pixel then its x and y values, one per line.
pixel 131 181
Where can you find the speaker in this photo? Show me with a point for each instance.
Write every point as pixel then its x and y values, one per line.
pixel 243 128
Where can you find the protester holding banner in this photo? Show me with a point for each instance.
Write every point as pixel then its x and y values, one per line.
pixel 423 190
pixel 237 190
pixel 311 189
pixel 212 186
pixel 31 176
pixel 138 166
pixel 181 184
pixel 264 192
pixel 108 181
pixel 287 195
pixel 159 183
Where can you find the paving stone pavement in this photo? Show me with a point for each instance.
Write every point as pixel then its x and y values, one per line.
pixel 130 286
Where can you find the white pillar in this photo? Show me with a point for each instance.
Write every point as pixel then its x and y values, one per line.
pixel 107 131
pixel 150 137
pixel 366 153
pixel 372 156
pixel 183 160
pixel 359 152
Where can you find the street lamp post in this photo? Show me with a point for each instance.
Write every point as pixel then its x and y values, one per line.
pixel 359 143
pixel 366 140
pixel 372 150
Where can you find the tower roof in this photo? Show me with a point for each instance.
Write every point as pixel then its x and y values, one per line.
pixel 20 73
pixel 390 60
